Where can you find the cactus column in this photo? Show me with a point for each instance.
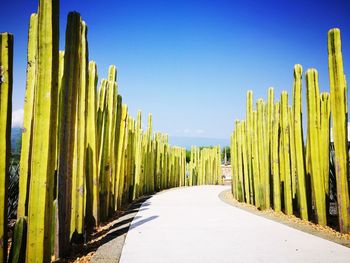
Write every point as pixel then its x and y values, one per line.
pixel 6 68
pixel 43 149
pixel 285 129
pixel 324 139
pixel 299 143
pixel 313 104
pixel 275 158
pixel 25 161
pixel 67 123
pixel 92 185
pixel 339 122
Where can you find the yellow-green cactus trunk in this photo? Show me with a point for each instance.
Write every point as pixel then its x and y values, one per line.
pixel 299 143
pixel 338 91
pixel 6 82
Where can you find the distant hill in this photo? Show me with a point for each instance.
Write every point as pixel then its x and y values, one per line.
pixel 187 142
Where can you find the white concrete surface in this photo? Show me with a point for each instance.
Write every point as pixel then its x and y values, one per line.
pixel 194 225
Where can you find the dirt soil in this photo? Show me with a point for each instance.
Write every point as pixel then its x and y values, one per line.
pixel 324 232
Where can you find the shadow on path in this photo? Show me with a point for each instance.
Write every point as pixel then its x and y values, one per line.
pixel 106 243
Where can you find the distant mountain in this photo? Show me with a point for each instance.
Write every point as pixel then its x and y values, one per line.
pixel 187 142
pixel 16 134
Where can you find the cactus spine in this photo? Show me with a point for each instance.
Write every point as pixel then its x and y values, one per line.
pixel 338 91
pixel 6 81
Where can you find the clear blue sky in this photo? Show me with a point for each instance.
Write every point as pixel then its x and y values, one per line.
pixel 190 63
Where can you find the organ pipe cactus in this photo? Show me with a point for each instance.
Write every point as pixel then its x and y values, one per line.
pixel 338 95
pixel 261 136
pixel 292 152
pixel 245 163
pixel 43 147
pixel 255 156
pixel 25 159
pixel 92 183
pixel 79 164
pixel 249 135
pixel 6 81
pixel 324 139
pixel 285 129
pixel 67 122
pixel 313 102
pixel 275 158
pixel 299 143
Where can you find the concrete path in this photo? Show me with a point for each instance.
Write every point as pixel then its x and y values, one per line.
pixel 194 225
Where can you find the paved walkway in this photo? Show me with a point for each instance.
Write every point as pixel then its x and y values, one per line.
pixel 194 225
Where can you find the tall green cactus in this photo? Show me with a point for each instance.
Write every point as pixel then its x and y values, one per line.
pixel 338 91
pixel 285 129
pixel 275 158
pixel 249 135
pixel 293 170
pixel 324 139
pixel 268 143
pixel 79 165
pixel 43 147
pixel 6 81
pixel 299 143
pixel 92 183
pixel 25 159
pixel 263 173
pixel 255 155
pixel 313 102
pixel 245 162
pixel 121 154
pixel 68 98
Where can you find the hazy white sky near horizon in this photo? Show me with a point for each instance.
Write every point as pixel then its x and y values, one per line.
pixel 190 63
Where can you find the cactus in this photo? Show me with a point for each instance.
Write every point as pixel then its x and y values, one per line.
pixel 292 153
pixel 79 163
pixel 249 134
pixel 68 98
pixel 18 247
pixel 121 154
pixel 338 91
pixel 275 129
pixel 324 139
pixel 6 81
pixel 43 144
pixel 313 102
pixel 285 129
pixel 92 184
pixel 245 162
pixel 138 157
pixel 262 151
pixel 255 155
pixel 299 143
pixel 25 159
